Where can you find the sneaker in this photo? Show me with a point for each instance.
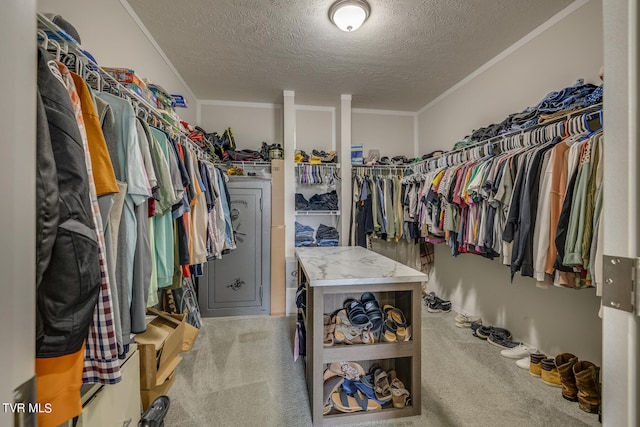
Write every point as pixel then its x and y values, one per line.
pixel 435 304
pixel 500 340
pixel 475 325
pixel 463 318
pixel 524 363
pixel 439 306
pixel 464 321
pixel 485 331
pixel 519 352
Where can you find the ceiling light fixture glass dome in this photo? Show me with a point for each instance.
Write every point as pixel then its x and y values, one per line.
pixel 349 15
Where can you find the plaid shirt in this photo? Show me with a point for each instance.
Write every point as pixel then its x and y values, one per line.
pixel 101 364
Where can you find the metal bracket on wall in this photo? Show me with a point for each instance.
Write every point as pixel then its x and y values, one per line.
pixel 620 283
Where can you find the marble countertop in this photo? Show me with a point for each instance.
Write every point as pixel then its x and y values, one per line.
pixel 353 265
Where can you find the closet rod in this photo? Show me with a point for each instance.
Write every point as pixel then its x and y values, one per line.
pixel 588 109
pixel 65 43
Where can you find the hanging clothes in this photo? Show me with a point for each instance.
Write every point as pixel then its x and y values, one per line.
pixel 535 206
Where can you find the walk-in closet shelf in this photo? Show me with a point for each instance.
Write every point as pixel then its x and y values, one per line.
pixel 319 182
pixel 332 275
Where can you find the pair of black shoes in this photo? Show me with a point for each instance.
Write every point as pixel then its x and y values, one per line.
pixel 436 304
pixel 155 413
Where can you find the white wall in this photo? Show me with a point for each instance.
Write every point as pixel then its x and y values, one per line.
pixel 390 132
pixel 554 319
pixel 251 123
pixel 315 128
pixel 113 37
pixel 17 172
pixel 570 49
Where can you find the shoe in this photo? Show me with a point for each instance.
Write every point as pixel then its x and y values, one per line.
pixel 399 321
pixel 502 341
pixel 439 306
pixel 549 374
pixel 564 363
pixel 587 379
pixel 464 321
pixel 155 413
pixel 535 366
pixel 373 311
pixel 524 363
pixel 349 370
pixel 485 332
pixel 519 352
pixel 435 304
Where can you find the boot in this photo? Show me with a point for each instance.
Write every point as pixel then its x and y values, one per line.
pixel 587 379
pixel 550 375
pixel 565 362
pixel 535 368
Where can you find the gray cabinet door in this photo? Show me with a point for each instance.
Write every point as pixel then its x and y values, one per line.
pixel 239 283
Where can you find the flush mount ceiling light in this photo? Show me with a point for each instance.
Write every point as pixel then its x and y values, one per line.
pixel 349 15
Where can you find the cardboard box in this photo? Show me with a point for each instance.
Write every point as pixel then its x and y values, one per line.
pixel 148 396
pixel 277 192
pixel 190 335
pixel 278 296
pixel 159 347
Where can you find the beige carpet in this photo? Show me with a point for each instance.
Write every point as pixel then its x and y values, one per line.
pixel 241 373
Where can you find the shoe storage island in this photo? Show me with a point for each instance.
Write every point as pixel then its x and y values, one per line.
pixel 331 276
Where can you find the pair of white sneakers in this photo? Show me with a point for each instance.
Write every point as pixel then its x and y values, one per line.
pixel 522 353
pixel 465 321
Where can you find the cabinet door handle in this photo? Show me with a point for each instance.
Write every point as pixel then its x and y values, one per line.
pixel 126 422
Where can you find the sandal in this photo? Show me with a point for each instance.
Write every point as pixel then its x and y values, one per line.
pixel 397 317
pixel 400 395
pixel 347 334
pixel 389 331
pixel 341 318
pixel 329 327
pixel 350 399
pixel 366 389
pixel 372 310
pixel 382 386
pixel 356 313
pixel 350 370
pixel 368 336
pixel 330 386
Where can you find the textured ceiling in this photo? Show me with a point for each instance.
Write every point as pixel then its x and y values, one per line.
pixel 405 55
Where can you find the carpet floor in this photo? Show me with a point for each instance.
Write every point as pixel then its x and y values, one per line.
pixel 241 373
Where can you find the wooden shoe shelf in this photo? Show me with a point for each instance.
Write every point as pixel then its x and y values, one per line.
pixel 333 275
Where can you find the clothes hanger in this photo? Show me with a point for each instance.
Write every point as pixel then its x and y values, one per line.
pixel 45 38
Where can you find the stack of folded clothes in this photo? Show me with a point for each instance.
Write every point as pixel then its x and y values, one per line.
pixel 318 202
pixel 554 104
pixel 304 235
pixel 326 236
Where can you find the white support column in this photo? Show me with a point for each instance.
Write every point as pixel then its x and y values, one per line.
pixel 289 117
pixel 621 330
pixel 344 151
pixel 18 193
